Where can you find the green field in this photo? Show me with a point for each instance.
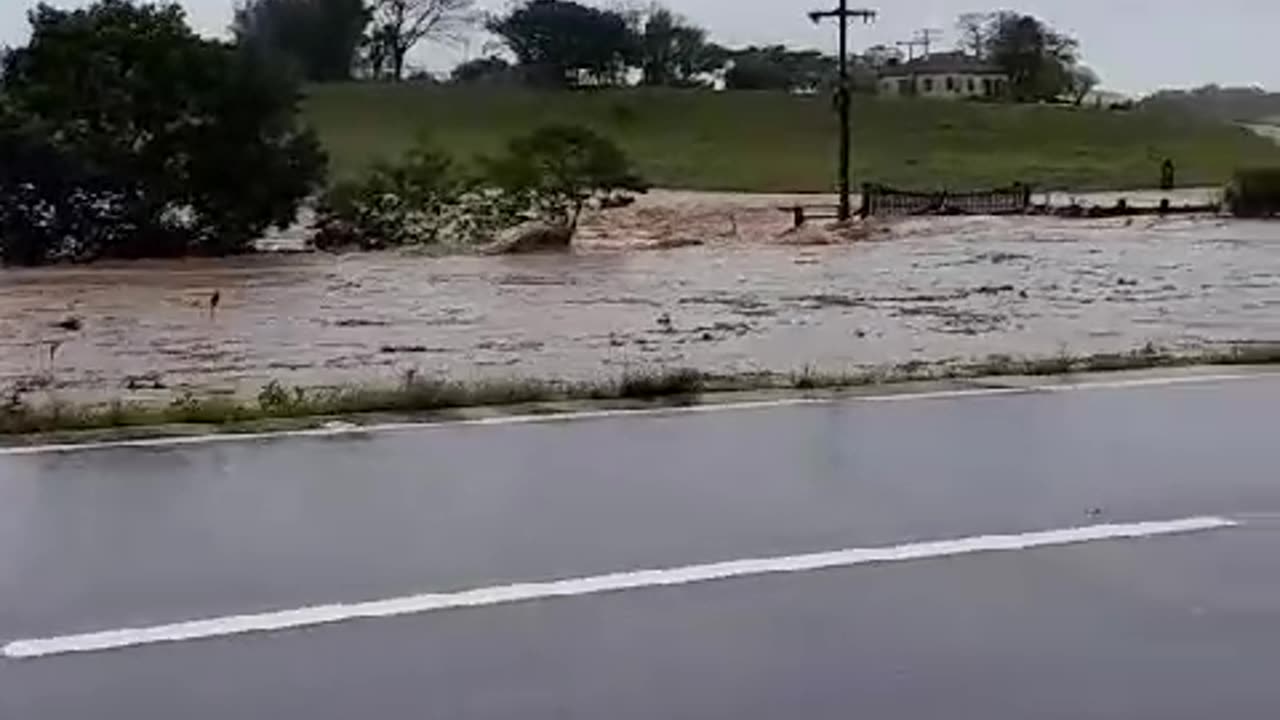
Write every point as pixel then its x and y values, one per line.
pixel 778 142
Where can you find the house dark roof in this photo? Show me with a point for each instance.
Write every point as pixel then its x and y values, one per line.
pixel 948 63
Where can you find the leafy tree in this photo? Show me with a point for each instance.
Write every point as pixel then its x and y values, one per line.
pixel 563 43
pixel 320 39
pixel 123 134
pixel 675 53
pixel 776 67
pixel 557 170
pixel 481 70
pixel 400 25
pixel 881 56
pixel 757 72
pixel 1036 58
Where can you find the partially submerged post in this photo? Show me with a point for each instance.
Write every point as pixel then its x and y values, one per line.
pixel 1167 174
pixel 843 96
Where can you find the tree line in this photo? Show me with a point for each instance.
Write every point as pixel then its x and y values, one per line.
pixel 562 43
pixel 547 43
pixel 1232 104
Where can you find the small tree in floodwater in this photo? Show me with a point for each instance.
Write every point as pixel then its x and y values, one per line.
pixel 559 170
pixel 124 134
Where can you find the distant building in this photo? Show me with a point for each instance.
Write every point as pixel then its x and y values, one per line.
pixel 952 75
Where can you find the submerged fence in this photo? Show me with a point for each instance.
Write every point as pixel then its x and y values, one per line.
pixel 882 200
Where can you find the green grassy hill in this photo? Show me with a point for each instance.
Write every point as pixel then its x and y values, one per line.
pixel 779 142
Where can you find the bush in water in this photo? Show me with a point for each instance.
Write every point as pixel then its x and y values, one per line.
pixel 1255 193
pixel 552 175
pixel 404 203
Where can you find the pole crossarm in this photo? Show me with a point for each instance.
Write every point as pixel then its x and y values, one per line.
pixel 855 14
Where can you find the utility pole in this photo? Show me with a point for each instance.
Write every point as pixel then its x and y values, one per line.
pixel 925 38
pixel 843 94
pixel 911 46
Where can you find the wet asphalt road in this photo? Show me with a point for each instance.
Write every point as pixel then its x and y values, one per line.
pixel 1176 627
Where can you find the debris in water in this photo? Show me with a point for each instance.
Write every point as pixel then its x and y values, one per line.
pixel 360 322
pixel 146 381
pixel 70 324
pixel 406 349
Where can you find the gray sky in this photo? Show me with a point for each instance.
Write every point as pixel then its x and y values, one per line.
pixel 1136 45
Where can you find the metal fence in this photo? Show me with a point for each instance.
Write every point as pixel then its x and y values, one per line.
pixel 882 200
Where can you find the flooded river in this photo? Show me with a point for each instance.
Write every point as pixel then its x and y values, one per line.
pixel 749 297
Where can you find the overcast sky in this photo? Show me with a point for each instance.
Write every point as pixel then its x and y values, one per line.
pixel 1135 45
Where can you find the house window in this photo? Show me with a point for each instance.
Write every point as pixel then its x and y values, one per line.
pixel 951 84
pixel 973 86
pixel 928 85
pixel 988 88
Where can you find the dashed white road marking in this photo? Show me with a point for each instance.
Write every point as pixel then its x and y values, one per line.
pixel 616 582
pixel 341 430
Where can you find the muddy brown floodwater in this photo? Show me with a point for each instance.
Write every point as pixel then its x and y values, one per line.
pixel 749 298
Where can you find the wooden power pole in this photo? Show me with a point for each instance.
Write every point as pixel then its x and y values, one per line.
pixel 844 97
pixel 911 46
pixel 926 38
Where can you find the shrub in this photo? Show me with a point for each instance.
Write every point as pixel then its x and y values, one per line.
pixel 394 204
pixel 556 171
pixel 1255 193
pixel 552 175
pixel 661 383
pixel 124 134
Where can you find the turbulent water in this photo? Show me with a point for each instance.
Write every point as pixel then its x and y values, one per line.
pixel 751 297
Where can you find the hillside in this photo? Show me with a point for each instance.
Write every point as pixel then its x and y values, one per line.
pixel 1238 104
pixel 779 142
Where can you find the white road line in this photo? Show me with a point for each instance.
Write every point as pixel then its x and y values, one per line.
pixel 616 582
pixel 351 430
pixel 1135 383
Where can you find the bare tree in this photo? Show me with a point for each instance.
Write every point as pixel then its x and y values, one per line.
pixel 975 32
pixel 1083 80
pixel 399 25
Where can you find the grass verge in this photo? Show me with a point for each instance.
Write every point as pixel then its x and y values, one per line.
pixel 419 395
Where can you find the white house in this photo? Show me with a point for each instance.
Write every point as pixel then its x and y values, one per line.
pixel 950 75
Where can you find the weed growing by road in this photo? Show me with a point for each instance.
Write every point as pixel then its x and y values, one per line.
pixel 415 394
